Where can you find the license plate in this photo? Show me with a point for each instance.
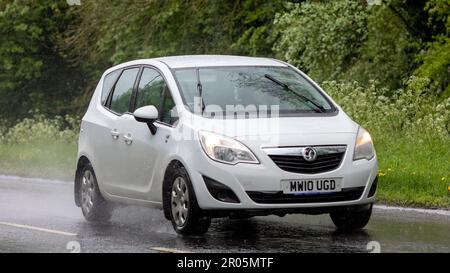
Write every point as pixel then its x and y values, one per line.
pixel 311 186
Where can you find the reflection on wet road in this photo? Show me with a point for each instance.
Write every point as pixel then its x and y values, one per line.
pixel 50 206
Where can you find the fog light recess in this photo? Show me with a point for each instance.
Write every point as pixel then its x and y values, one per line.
pixel 220 191
pixel 373 188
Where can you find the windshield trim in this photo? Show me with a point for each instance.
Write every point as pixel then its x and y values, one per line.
pixel 333 111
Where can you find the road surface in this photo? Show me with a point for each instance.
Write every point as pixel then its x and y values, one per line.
pixel 40 216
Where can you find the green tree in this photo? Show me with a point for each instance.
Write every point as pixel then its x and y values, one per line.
pixel 52 54
pixel 387 53
pixel 255 19
pixel 116 31
pixel 110 32
pixel 351 40
pixel 322 37
pixel 435 58
pixel 33 73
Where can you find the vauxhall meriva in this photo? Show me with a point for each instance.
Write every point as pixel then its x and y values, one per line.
pixel 221 136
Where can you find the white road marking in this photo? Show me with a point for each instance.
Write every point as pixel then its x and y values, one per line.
pixel 38 229
pixel 425 211
pixel 169 250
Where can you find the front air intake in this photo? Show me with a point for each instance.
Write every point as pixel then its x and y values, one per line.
pixel 373 188
pixel 220 191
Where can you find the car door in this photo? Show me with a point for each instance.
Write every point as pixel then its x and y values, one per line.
pixel 144 150
pixel 111 141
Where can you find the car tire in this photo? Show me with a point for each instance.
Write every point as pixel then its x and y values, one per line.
pixel 351 220
pixel 186 216
pixel 94 207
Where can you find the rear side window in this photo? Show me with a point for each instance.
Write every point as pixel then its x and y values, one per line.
pixel 123 90
pixel 108 83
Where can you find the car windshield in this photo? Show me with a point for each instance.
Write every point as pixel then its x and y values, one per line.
pixel 251 88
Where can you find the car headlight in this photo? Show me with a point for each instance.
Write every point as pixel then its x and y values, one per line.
pixel 225 149
pixel 364 145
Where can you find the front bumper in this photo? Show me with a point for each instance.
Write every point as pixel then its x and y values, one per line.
pixel 246 180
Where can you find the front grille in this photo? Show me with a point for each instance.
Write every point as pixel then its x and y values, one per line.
pixel 347 194
pixel 291 159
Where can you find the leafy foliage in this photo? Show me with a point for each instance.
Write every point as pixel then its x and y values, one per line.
pixel 436 56
pixel 158 28
pixel 386 53
pixel 412 121
pixel 413 112
pixel 33 72
pixel 321 37
pixel 349 40
pixel 39 130
pixel 53 53
pixel 257 30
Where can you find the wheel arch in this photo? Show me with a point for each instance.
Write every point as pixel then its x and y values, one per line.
pixel 82 161
pixel 174 163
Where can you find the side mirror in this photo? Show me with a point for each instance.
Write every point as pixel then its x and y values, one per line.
pixel 148 115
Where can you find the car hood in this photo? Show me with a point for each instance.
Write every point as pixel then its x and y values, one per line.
pixel 305 125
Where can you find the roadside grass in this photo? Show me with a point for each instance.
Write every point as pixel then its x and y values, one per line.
pixel 40 147
pixel 55 160
pixel 413 172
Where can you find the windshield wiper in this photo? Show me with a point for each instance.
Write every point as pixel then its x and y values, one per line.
pixel 200 91
pixel 319 108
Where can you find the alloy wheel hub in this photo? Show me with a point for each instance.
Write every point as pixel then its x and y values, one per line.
pixel 180 201
pixel 87 191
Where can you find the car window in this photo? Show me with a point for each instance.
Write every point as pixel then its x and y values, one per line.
pixel 123 90
pixel 153 90
pixel 108 83
pixel 150 90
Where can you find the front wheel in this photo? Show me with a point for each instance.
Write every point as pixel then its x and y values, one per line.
pixel 186 216
pixel 351 220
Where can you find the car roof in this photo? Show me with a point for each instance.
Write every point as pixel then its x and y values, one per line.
pixel 188 61
pixel 216 60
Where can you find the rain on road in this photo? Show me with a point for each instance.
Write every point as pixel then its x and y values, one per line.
pixel 40 216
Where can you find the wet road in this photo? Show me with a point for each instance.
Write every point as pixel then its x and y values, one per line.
pixel 40 216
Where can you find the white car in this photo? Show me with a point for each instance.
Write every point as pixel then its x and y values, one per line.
pixel 221 136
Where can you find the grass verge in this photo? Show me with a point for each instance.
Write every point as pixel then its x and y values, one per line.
pixel 39 160
pixel 414 173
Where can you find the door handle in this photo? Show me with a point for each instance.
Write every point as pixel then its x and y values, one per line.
pixel 115 134
pixel 128 139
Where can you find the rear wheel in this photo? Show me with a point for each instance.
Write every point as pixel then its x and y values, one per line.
pixel 94 207
pixel 186 216
pixel 351 220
